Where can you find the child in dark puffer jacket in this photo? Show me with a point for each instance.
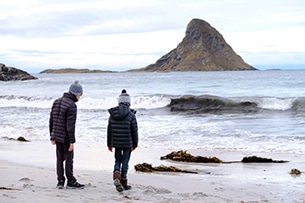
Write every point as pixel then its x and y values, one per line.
pixel 122 134
pixel 62 134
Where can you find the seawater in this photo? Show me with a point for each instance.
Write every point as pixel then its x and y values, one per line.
pixel 277 126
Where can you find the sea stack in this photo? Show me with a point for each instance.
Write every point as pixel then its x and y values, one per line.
pixel 202 49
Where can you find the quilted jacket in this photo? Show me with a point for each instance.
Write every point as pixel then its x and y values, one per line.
pixel 63 118
pixel 122 131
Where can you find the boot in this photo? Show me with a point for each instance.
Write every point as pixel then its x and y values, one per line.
pixel 117 182
pixel 124 184
pixel 116 175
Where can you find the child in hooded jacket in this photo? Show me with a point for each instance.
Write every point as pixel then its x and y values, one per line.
pixel 122 134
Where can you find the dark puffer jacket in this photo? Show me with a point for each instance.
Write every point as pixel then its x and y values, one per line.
pixel 63 118
pixel 122 129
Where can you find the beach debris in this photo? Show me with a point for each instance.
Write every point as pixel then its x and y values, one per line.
pixel 186 157
pixel 255 159
pixel 20 138
pixel 8 188
pixel 127 197
pixel 130 198
pixel 295 172
pixel 145 167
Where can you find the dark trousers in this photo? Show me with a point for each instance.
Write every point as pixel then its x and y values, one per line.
pixel 63 154
pixel 122 156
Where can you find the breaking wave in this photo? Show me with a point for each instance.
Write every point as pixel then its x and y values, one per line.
pixel 213 104
pixel 146 102
pixel 203 103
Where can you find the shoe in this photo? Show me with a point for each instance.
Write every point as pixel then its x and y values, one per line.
pixel 75 185
pixel 118 185
pixel 60 184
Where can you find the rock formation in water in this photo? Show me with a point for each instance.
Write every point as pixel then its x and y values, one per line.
pixel 202 49
pixel 11 73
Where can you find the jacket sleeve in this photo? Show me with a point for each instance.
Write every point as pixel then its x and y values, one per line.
pixel 134 131
pixel 109 135
pixel 51 125
pixel 70 125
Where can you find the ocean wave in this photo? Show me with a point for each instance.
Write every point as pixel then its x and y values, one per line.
pixel 25 101
pixel 203 103
pixel 145 102
pixel 209 103
pixel 299 104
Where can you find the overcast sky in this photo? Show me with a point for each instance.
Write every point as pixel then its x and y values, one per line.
pixel 125 34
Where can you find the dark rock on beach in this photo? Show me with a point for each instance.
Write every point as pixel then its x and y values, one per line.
pixel 202 49
pixel 21 139
pixel 11 73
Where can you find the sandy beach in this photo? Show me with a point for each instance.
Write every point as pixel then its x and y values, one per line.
pixel 28 175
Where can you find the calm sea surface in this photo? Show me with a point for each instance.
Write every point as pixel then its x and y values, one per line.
pixel 278 124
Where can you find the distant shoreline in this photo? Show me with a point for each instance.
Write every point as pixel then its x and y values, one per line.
pixel 75 70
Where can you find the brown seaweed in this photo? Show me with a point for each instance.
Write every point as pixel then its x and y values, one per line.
pixel 145 167
pixel 255 159
pixel 186 157
pixel 8 188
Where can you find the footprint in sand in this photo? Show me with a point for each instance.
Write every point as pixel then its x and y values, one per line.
pixel 26 179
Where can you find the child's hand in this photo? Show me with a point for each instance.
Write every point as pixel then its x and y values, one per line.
pixel 71 147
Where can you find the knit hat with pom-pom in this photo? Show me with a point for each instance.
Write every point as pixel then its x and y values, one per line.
pixel 124 98
pixel 76 88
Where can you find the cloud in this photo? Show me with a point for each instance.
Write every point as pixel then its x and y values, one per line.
pixel 124 34
pixel 87 18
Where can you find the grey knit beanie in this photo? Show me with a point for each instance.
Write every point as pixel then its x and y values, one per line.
pixel 124 98
pixel 76 88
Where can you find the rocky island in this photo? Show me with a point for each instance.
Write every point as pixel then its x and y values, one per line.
pixel 202 49
pixel 74 70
